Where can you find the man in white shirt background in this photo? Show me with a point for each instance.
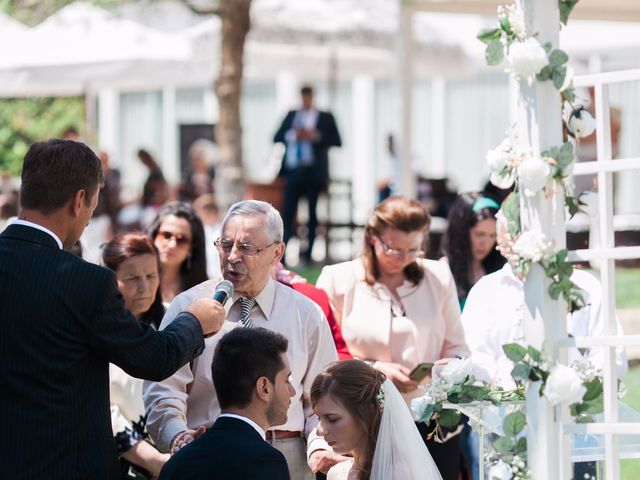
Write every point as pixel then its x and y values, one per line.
pixel 250 245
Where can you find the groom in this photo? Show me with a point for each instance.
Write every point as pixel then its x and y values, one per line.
pixel 250 372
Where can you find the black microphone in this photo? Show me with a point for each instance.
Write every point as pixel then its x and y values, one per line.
pixel 224 291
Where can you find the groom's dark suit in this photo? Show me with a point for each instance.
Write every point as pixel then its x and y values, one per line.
pixel 230 450
pixel 62 320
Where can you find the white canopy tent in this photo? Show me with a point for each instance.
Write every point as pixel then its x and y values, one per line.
pixel 84 48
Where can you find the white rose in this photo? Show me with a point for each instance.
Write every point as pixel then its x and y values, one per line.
pixel 581 123
pixel 533 173
pixel 532 245
pixel 418 405
pixel 457 371
pixel 500 471
pixel 527 58
pixel 498 159
pixel 564 386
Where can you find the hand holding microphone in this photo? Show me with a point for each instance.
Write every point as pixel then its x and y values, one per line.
pixel 210 312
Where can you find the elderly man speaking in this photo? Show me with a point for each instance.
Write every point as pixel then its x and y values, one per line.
pixel 180 407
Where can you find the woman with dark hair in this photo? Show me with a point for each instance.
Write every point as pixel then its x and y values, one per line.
pixel 470 240
pixel 468 246
pixel 361 413
pixel 134 259
pixel 398 310
pixel 178 234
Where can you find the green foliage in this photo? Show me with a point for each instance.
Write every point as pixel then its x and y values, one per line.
pixel 565 7
pixel 27 120
pixel 494 53
pixel 33 12
pixel 448 417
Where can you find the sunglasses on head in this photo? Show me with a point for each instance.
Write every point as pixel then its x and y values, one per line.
pixel 177 237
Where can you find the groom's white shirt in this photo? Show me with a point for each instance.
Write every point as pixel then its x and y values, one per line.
pixel 492 317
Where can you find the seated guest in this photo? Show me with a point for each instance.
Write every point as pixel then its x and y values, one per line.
pixel 250 373
pixel 495 311
pixel 300 284
pixel 135 260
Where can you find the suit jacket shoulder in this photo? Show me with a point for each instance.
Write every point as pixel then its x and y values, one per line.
pixel 231 450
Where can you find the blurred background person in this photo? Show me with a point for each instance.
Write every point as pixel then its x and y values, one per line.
pixel 469 246
pixel 207 209
pixel 397 309
pixel 308 134
pixel 199 177
pixel 134 259
pixel 469 243
pixel 178 234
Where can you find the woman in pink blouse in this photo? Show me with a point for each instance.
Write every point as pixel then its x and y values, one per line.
pixel 397 309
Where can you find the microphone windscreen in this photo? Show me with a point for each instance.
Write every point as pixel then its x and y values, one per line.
pixel 224 291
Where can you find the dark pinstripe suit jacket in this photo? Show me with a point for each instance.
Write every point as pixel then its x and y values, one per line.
pixel 62 320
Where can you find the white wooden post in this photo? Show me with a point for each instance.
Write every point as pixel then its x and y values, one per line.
pixel 108 116
pixel 404 99
pixel 363 104
pixel 539 127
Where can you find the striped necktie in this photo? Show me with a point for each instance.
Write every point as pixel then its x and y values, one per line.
pixel 246 305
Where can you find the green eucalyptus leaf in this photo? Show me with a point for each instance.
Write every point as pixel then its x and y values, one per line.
pixel 427 414
pixel 488 34
pixel 514 351
pixel 521 446
pixel 548 47
pixel 555 289
pixel 514 423
pixel 503 444
pixel 565 7
pixel 558 76
pixel 494 54
pixel 594 390
pixel 569 94
pixel 521 372
pixel 534 354
pixel 449 417
pixel 558 57
pixel 544 74
pixel 511 210
pixel 572 205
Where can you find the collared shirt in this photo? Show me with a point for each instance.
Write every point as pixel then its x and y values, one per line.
pixel 26 223
pixel 300 153
pixel 187 399
pixel 495 311
pixel 257 427
pixel 424 327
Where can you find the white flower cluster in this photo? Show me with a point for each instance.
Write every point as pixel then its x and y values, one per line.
pixel 564 385
pixel 502 160
pixel 532 245
pixel 455 372
pixel 526 59
pixel 586 370
pixel 515 17
pixel 533 174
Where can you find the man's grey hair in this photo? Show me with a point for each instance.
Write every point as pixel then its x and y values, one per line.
pixel 250 208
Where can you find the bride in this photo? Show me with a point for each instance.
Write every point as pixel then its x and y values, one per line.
pixel 361 413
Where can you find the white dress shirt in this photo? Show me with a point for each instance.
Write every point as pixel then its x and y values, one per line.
pixel 26 223
pixel 188 399
pixel 257 427
pixel 493 316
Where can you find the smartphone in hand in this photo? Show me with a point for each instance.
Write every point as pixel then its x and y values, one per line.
pixel 421 371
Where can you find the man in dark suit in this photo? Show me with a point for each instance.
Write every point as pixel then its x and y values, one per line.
pixel 250 373
pixel 63 320
pixel 308 134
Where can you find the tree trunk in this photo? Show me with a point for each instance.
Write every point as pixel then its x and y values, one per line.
pixel 228 87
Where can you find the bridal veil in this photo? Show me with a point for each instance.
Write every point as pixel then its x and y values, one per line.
pixel 400 452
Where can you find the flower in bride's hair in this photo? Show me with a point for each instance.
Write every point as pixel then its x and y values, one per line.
pixel 457 371
pixel 500 471
pixel 380 397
